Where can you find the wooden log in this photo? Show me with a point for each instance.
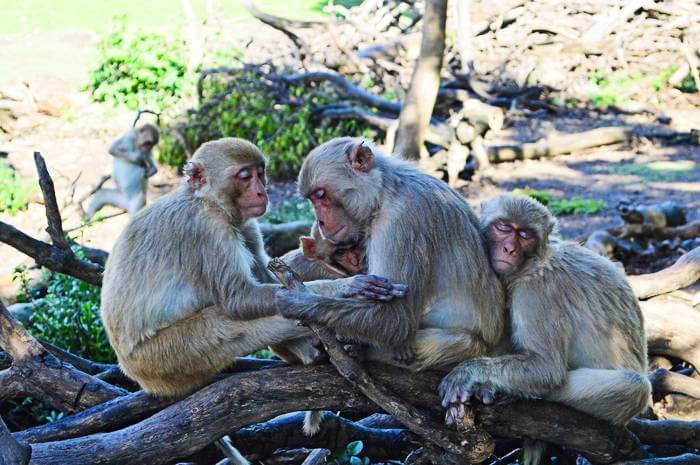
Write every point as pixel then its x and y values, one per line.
pixel 336 432
pixel 686 433
pixel 281 238
pixel 664 381
pixel 246 398
pixel 683 273
pixel 686 231
pixel 685 459
pixel 481 113
pixel 559 144
pixel 11 451
pixel 673 329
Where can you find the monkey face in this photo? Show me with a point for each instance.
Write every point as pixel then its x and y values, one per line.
pixel 509 246
pixel 249 190
pixel 335 224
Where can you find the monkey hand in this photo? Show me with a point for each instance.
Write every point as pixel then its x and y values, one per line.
pixel 405 355
pixel 151 170
pixel 371 287
pixel 462 386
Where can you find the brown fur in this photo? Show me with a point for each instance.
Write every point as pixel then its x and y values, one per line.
pixel 413 229
pixel 577 329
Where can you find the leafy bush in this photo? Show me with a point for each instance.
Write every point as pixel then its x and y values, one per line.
pixel 14 190
pixel 290 210
pixel 560 207
pixel 69 316
pixel 139 70
pixel 242 104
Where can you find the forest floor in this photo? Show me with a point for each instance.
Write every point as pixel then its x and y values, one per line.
pixel 75 147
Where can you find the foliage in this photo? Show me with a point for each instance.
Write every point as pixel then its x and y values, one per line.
pixel 290 210
pixel 620 88
pixel 69 316
pixel 139 70
pixel 241 103
pixel 350 455
pixel 14 190
pixel 560 207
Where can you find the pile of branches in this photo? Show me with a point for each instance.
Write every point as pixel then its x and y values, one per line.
pixel 109 421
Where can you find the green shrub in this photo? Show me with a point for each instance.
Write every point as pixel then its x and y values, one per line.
pixel 290 210
pixel 242 104
pixel 350 454
pixel 69 316
pixel 560 207
pixel 14 190
pixel 139 70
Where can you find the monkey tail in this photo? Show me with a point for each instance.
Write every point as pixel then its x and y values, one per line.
pixel 533 451
pixel 312 422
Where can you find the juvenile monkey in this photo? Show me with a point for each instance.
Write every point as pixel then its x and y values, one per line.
pixel 412 229
pixel 337 261
pixel 576 328
pixel 133 165
pixel 184 288
pixel 662 214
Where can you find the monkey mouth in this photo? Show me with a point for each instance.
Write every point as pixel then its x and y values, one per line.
pixel 340 232
pixel 500 269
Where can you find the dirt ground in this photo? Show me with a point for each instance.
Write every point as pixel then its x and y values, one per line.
pixel 74 143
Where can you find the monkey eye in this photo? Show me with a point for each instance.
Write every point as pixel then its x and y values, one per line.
pixel 503 227
pixel 525 234
pixel 243 174
pixel 319 193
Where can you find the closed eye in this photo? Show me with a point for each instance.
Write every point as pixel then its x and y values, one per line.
pixel 319 193
pixel 503 227
pixel 243 174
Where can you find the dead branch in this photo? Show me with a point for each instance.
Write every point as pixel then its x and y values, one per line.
pixel 53 215
pixel 686 433
pixel 665 382
pixel 684 272
pixel 35 372
pixel 247 398
pixel 558 144
pixel 11 451
pixel 686 231
pixel 685 459
pixel 422 93
pixel 286 432
pixel 672 328
pixel 475 445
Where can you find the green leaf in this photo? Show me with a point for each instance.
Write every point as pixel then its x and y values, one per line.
pixel 354 448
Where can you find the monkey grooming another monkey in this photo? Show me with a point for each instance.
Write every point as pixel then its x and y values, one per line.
pixel 133 165
pixel 184 288
pixel 412 228
pixel 576 326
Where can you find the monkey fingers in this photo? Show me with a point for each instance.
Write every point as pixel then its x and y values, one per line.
pixel 457 387
pixel 483 393
pixel 454 414
pixel 376 288
pixel 405 355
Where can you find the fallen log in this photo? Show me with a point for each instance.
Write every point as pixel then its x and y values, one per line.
pixel 652 231
pixel 673 328
pixel 684 272
pixel 559 144
pixel 281 238
pixel 666 382
pixel 686 433
pixel 247 398
pixel 11 451
pixel 685 459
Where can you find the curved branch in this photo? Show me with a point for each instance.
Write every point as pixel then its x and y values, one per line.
pixel 684 272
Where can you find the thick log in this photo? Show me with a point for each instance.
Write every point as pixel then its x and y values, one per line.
pixel 480 113
pixel 425 82
pixel 281 238
pixel 685 459
pixel 336 432
pixel 665 382
pixel 684 272
pixel 673 328
pixel 559 144
pixel 246 398
pixel 686 433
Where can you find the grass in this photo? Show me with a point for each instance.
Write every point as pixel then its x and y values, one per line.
pixel 28 16
pixel 561 207
pixel 657 171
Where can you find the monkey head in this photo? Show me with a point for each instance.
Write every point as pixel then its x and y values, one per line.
pixel 342 261
pixel 343 180
pixel 230 172
pixel 147 137
pixel 516 228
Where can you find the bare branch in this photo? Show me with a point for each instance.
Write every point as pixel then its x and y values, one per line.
pixel 53 215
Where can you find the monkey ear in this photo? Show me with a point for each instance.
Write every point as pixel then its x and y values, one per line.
pixel 361 158
pixel 308 247
pixel 194 171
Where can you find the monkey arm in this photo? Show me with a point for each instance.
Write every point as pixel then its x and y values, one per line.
pixel 150 165
pixel 124 148
pixel 540 334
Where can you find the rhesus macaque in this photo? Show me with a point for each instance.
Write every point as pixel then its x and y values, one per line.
pixel 412 228
pixel 133 165
pixel 661 214
pixel 576 328
pixel 338 261
pixel 183 288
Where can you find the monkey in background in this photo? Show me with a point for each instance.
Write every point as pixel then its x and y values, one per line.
pixel 412 228
pixel 662 214
pixel 133 165
pixel 577 331
pixel 185 288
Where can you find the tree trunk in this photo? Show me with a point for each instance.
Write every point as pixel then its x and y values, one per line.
pixel 420 99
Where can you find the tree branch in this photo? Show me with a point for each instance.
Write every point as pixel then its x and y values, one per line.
pixel 53 215
pixel 684 272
